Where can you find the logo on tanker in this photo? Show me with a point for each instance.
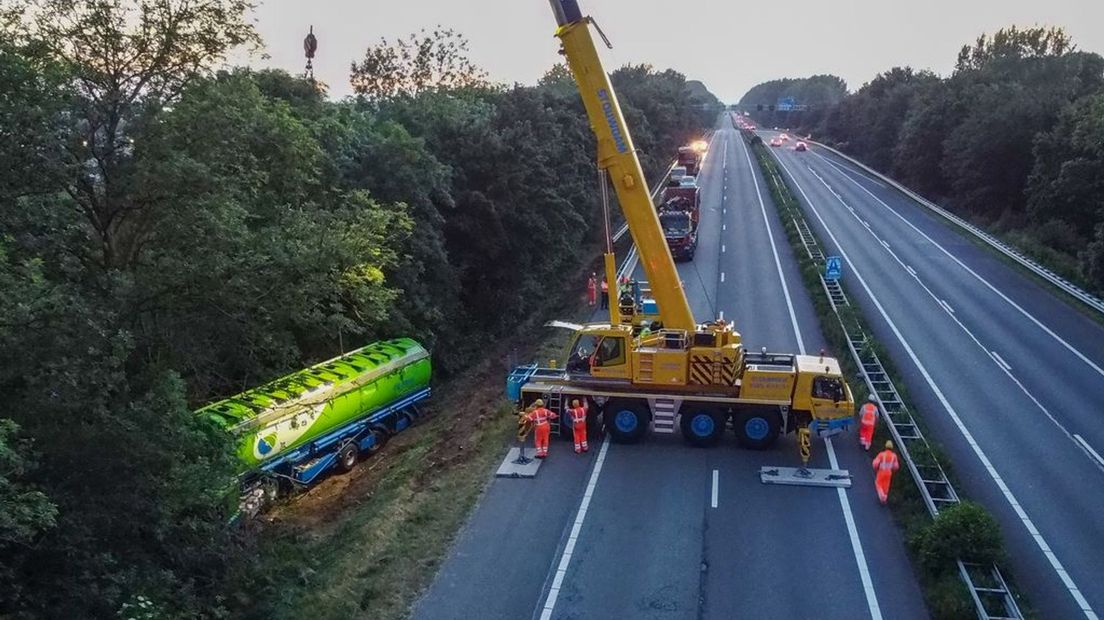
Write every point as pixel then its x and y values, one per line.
pixel 266 444
pixel 611 119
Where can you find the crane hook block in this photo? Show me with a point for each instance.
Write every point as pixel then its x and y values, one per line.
pixel 310 44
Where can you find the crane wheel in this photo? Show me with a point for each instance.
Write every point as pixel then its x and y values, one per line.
pixel 347 456
pixel 626 421
pixel 702 426
pixel 757 429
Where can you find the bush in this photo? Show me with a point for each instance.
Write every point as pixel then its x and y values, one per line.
pixel 949 600
pixel 965 531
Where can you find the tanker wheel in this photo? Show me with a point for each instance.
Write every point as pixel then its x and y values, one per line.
pixel 347 456
pixel 626 421
pixel 702 426
pixel 380 435
pixel 757 429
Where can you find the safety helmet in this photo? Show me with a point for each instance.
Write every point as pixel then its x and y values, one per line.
pixel 575 403
pixel 889 445
pixel 539 402
pixel 872 398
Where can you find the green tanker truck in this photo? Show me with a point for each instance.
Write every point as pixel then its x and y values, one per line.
pixel 299 426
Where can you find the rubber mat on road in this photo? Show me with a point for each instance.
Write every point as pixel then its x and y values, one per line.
pixel 795 476
pixel 511 468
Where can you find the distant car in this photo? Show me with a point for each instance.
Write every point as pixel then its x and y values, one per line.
pixel 688 181
pixel 784 137
pixel 751 127
pixel 677 173
pixel 775 142
pixel 801 146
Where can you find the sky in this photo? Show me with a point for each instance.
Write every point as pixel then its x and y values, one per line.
pixel 728 45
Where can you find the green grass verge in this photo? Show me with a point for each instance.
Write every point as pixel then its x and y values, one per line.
pixel 970 530
pixel 385 546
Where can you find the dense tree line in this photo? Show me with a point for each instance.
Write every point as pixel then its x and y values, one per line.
pixel 1011 139
pixel 170 235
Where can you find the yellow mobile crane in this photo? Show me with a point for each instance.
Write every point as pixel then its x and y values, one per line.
pixel 698 374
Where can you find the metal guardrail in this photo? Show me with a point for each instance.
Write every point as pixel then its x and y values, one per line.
pixel 1072 289
pixel 993 599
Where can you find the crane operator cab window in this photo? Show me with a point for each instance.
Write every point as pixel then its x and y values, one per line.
pixel 579 360
pixel 609 358
pixel 828 388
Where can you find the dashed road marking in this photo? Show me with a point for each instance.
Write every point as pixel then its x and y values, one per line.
pixel 716 475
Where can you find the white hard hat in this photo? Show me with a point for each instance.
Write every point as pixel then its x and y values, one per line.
pixel 872 398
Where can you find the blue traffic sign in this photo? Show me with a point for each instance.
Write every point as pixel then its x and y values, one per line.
pixel 833 268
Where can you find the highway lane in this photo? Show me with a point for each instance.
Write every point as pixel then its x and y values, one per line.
pixel 652 545
pixel 988 354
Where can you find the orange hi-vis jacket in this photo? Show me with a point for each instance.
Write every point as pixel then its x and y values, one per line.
pixel 541 416
pixel 578 416
pixel 869 414
pixel 886 461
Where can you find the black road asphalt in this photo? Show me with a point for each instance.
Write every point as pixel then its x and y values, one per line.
pixel 1008 377
pixel 651 543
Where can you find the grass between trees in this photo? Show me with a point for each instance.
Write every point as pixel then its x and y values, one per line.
pixel 965 531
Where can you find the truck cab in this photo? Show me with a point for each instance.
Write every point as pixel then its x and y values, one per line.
pixel 680 233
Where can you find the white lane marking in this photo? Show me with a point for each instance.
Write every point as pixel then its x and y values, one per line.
pixel 884 244
pixel 721 315
pixel 1001 363
pixel 913 272
pixel 1085 444
pixel 992 471
pixel 722 248
pixel 774 249
pixel 569 548
pixel 856 546
pixel 845 503
pixel 1027 314
pixel 722 276
pixel 842 169
pixel 724 155
pixel 723 210
pixel 947 306
pixel 999 360
pixel 716 476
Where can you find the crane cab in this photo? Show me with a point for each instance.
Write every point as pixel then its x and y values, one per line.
pixel 711 357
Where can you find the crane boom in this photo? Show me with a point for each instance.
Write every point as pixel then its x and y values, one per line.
pixel 617 156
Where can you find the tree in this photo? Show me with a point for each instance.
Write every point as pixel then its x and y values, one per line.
pixel 1012 44
pixel 435 60
pixel 1066 185
pixel 128 58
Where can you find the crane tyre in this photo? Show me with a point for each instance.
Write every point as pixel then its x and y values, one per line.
pixel 702 426
pixel 757 429
pixel 626 421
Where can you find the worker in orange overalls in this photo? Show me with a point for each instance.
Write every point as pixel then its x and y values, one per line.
pixel 885 464
pixel 542 428
pixel 578 425
pixel 867 418
pixel 592 290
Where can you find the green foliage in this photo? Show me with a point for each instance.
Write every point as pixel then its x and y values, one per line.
pixel 948 599
pixel 24 512
pixel 170 235
pixel 422 61
pixel 1011 139
pixel 964 531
